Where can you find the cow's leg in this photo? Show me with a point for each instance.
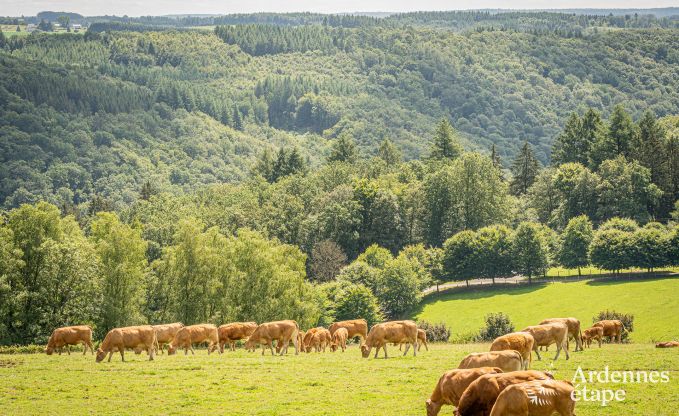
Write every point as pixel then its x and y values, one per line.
pixel 152 352
pixel 59 349
pixel 110 355
pixel 559 347
pixel 535 348
pixel 122 354
pixel 599 341
pixel 295 342
pixel 384 347
pixel 566 349
pixel 271 346
pixel 194 352
pixel 415 346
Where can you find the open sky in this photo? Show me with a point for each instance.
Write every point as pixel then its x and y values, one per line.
pixel 161 7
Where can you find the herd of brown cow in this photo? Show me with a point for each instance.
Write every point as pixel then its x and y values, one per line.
pixel 494 383
pixel 500 383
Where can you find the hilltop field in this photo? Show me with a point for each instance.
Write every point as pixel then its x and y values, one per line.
pixel 241 383
pixel 651 301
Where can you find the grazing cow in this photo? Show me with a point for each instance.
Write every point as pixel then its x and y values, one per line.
pixel 480 396
pixel 595 332
pixel 668 344
pixel 536 398
pixel 355 327
pixel 235 331
pixel 518 341
pixel 507 360
pixel 70 335
pixel 421 339
pixel 573 325
pixel 396 332
pixel 165 333
pixel 195 334
pixel 339 339
pixel 281 331
pixel 320 339
pixel 141 337
pixel 452 384
pixel 306 339
pixel 556 333
pixel 613 329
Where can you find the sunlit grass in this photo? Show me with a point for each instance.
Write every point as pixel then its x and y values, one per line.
pixel 243 383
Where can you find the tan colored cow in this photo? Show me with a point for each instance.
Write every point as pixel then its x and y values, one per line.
pixel 452 384
pixel 195 334
pixel 141 337
pixel 339 340
pixel 355 327
pixel 235 331
pixel 507 360
pixel 518 341
pixel 320 340
pixel 668 344
pixel 165 333
pixel 395 332
pixel 306 339
pixel 536 398
pixel 595 332
pixel 281 331
pixel 70 335
pixel 421 339
pixel 573 325
pixel 300 342
pixel 613 329
pixel 480 396
pixel 548 334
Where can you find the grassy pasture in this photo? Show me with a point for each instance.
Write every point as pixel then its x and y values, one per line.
pixel 652 301
pixel 241 383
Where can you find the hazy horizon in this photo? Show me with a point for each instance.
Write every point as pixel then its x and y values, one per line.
pixel 169 7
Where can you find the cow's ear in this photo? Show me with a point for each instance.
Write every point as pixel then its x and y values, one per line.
pixel 498 370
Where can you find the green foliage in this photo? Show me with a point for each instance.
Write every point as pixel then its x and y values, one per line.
pixel 445 145
pixel 575 241
pixel 525 168
pixel 460 256
pixel 438 332
pixel 343 149
pixel 611 249
pixel 497 324
pixel 530 250
pixel 356 301
pixel 400 291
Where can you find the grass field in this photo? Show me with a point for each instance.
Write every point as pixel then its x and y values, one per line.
pixel 240 383
pixel 653 303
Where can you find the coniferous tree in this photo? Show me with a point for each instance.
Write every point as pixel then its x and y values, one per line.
pixel 524 169
pixel 389 152
pixel 566 146
pixel 446 144
pixel 618 139
pixel 236 119
pixel 343 149
pixel 649 148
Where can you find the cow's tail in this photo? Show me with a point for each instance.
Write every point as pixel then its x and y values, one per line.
pixel 295 340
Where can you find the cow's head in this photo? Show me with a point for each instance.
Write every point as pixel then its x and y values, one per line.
pixel 333 347
pixel 171 349
pixel 49 350
pixel 100 354
pixel 365 351
pixel 432 408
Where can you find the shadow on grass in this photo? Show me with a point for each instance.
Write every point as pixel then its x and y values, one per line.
pixel 637 277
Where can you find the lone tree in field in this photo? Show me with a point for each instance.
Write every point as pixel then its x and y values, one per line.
pixel 525 169
pixel 446 144
pixel 575 241
pixel 530 250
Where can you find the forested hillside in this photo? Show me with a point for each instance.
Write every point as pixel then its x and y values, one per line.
pixel 104 113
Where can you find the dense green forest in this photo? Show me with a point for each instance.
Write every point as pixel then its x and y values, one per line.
pixel 323 167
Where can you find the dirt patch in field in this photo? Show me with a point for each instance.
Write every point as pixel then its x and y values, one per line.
pixel 8 363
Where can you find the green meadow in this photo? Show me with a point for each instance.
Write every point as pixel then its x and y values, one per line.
pixel 652 301
pixel 241 383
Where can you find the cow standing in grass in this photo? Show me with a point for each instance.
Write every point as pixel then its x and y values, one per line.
pixel 265 334
pixel 593 333
pixel 141 337
pixel 518 341
pixel 195 334
pixel 452 385
pixel 165 333
pixel 339 340
pixel 573 325
pixel 70 335
pixel 545 335
pixel 235 331
pixel 396 332
pixel 355 328
pixel 613 328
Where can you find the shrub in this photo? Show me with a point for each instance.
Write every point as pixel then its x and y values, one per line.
pixel 627 321
pixel 30 349
pixel 497 324
pixel 435 332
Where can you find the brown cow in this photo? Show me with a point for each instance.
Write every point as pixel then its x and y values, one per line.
pixel 517 341
pixel 141 337
pixel 355 327
pixel 339 339
pixel 480 396
pixel 281 331
pixel 70 335
pixel 421 339
pixel 300 342
pixel 235 331
pixel 573 325
pixel 320 339
pixel 668 344
pixel 507 360
pixel 556 333
pixel 395 332
pixel 595 332
pixel 306 339
pixel 195 334
pixel 165 333
pixel 613 329
pixel 452 384
pixel 536 398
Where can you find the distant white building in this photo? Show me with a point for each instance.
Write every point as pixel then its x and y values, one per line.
pixel 31 27
pixel 76 27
